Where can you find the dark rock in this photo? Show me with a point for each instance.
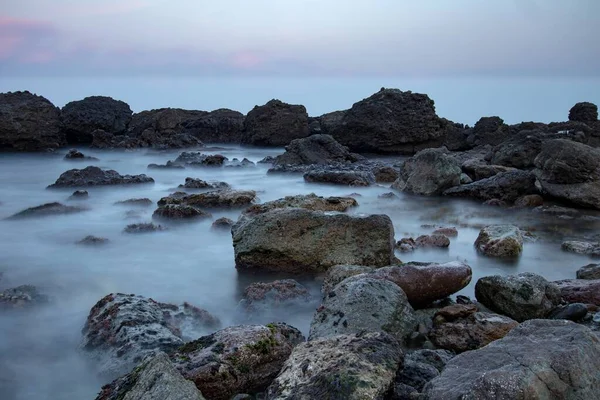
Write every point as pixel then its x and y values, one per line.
pixel 429 172
pixel 179 212
pixel 521 297
pixel 218 126
pixel 341 367
pixel 46 210
pixel 267 160
pixel 163 121
pixel 223 224
pixel 519 151
pixel 81 118
pixel 432 241
pixel 391 121
pixel 310 202
pixel 93 241
pixel 238 359
pixel 94 176
pixel 385 174
pixel 213 199
pixel 262 298
pixel 349 178
pixel 121 330
pixel 24 296
pixel 103 140
pixel 142 202
pixel 584 112
pixel 388 195
pixel 503 241
pixel 477 171
pixel 579 247
pixel 530 200
pixel 571 312
pixel 420 367
pixel 590 271
pixel 329 122
pixel 235 163
pixel 29 123
pixel 76 155
pixel 495 203
pixel 275 124
pixel 79 195
pixel 539 359
pixel 193 183
pixel 143 228
pixel 506 186
pixel 315 149
pixel 585 291
pixel 489 130
pixel 215 160
pixel 298 240
pixel 168 165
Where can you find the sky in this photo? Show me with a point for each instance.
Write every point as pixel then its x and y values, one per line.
pixel 312 38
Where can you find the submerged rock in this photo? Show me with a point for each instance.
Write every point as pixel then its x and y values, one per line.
pixel 238 359
pixel 521 297
pixel 76 155
pixel 297 240
pixel 449 232
pixel 193 183
pixel 145 227
pixel 93 176
pixel 348 178
pixel 93 241
pixel 142 202
pixel 24 296
pixel 506 186
pixel 315 149
pixel 179 212
pixel 585 291
pixel 530 200
pixel 46 210
pixel 310 202
pixel 275 124
pixel 429 172
pixel 348 366
pixel 500 241
pixel 539 359
pixel 223 224
pixel 385 174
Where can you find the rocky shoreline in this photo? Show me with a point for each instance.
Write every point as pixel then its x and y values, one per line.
pixel 383 328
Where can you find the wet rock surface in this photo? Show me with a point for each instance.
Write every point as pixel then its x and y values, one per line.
pixel 585 291
pixel 310 202
pixel 580 247
pixel 223 223
pixel 504 241
pixel 213 199
pixel 94 176
pixel 179 212
pixel 265 300
pixel 141 202
pixel 590 271
pixel 194 183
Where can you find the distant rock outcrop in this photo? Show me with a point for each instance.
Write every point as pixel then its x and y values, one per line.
pixel 584 112
pixel 275 124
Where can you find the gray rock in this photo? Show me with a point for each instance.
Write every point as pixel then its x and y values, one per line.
pixel 488 131
pixel 93 241
pixel 275 124
pixel 79 195
pixel 340 367
pixel 504 241
pixel 307 201
pixel 521 297
pixel 193 183
pixel 590 271
pixel 539 359
pixel 429 172
pixel 24 296
pixel 530 200
pixel 46 210
pixel 348 178
pixel 579 247
pixel 154 379
pixel 145 227
pixel 506 186
pixel 361 303
pixel 267 301
pixel 179 212
pixel 420 367
pixel 298 240
pixel 223 224
pixel 572 312
pixel 585 291
pixel 385 174
pixel 213 199
pixel 142 202
pixel 477 170
pixel 94 176
pixel 338 273
pixel 315 149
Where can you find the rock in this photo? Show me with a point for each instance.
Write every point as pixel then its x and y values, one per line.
pixel 297 240
pixel 364 304
pixel 121 330
pixel 94 176
pixel 506 186
pixel 143 228
pixel 46 210
pixel 461 328
pixel 579 247
pixel 262 298
pixel 347 366
pixel 338 273
pixel 238 359
pixel 590 271
pixel 530 200
pixel 76 155
pixel 406 245
pixel 103 140
pixel 163 121
pixel 315 149
pixel 142 202
pixel 267 160
pixel 179 212
pixel 495 203
pixel 93 241
pixel 584 112
pixel 539 359
pixel 275 124
pixel 570 171
pixel 385 174
pixel 420 367
pixel 81 118
pixel 235 163
pixel 450 232
pixel 425 283
pixel 214 160
pixel 154 379
pixel 349 178
pixel 521 297
pixel 388 196
pixel 24 296
pixel 585 291
pixel 465 179
pixel 29 123
pixel 478 171
pixel 79 195
pixel 391 121
pixel 213 199
pixel 571 312
pixel 488 130
pixel 223 224
pixel 521 150
pixel 429 172
pixel 500 241
pixel 310 202
pixel 218 126
pixel 432 241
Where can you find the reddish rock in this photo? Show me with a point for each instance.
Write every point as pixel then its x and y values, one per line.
pixel 450 232
pixel 585 291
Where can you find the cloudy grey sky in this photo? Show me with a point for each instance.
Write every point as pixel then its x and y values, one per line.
pixel 300 38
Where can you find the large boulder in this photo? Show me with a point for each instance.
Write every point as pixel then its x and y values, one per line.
pixel 275 124
pixel 488 130
pixel 80 118
pixel 503 241
pixel 539 359
pixel 238 359
pixel 429 172
pixel 585 291
pixel 363 304
pixel 590 271
pixel 520 150
pixel 326 123
pixel 307 201
pixel 218 126
pixel 154 379
pixel 391 121
pixel 570 171
pixel 521 297
pixel 29 123
pixel 298 240
pixel 213 199
pixel 584 112
pixel 315 149
pixel 505 186
pixel 347 366
pixel 122 329
pixel 425 283
pixel 94 176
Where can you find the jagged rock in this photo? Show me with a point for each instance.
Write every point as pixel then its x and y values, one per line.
pixel 121 330
pixel 521 297
pixel 579 247
pixel 94 176
pixel 179 212
pixel 340 367
pixel 80 118
pixel 298 240
pixel 163 121
pixel 45 210
pixel 338 273
pixel 584 112
pixel 585 291
pixel 489 130
pixel 24 296
pixel 235 163
pixel 142 202
pixel 429 172
pixel 218 126
pixel 154 379
pixel 223 224
pixel 364 304
pixel 590 271
pixel 79 195
pixel 506 186
pixel 275 124
pixel 309 202
pixel 238 359
pixel 93 241
pixel 316 149
pixel 539 359
pixel 193 183
pixel 500 241
pixel 388 195
pixel 29 123
pixel 213 199
pixel 349 178
pixel 146 227
pixel 267 160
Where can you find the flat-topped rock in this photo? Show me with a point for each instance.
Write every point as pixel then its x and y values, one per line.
pixel 213 199
pixel 504 241
pixel 46 210
pixel 309 202
pixel 94 176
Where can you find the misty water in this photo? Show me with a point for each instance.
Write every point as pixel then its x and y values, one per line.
pixel 39 356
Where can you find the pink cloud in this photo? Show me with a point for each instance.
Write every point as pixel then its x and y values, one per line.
pixel 108 8
pixel 247 60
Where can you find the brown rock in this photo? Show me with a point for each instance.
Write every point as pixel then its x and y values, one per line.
pixel 585 291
